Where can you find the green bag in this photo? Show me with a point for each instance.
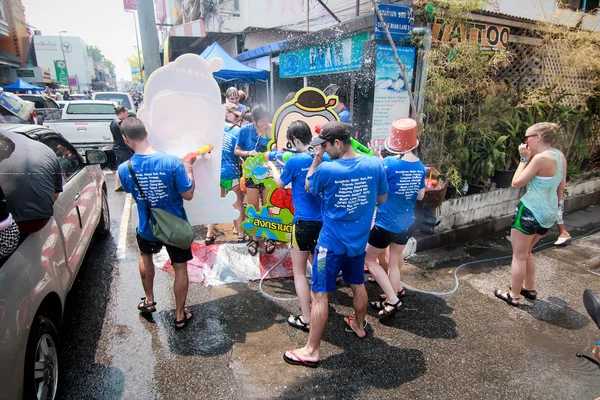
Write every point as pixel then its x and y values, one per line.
pixel 166 227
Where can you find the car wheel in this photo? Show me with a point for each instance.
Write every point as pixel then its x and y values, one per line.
pixel 42 360
pixel 103 227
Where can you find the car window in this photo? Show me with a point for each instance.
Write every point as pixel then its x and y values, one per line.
pixel 51 103
pixel 91 108
pixel 68 158
pixel 122 99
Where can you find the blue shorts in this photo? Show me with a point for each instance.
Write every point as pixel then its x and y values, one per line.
pixel 327 265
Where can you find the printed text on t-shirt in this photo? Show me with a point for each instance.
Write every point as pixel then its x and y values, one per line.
pixel 353 193
pixel 409 183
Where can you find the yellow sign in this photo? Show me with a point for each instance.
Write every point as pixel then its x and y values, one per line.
pixel 489 37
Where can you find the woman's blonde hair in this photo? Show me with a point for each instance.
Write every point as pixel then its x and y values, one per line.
pixel 550 131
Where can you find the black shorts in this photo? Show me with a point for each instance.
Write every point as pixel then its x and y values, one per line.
pixel 122 155
pixel 305 235
pixel 176 255
pixel 524 221
pixel 250 184
pixel 382 238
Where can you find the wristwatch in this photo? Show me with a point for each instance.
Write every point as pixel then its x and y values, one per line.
pixel 523 159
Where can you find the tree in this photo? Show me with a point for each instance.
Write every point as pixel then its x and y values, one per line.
pixel 110 65
pixel 95 52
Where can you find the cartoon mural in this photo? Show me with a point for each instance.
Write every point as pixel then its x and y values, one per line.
pixel 274 219
pixel 183 113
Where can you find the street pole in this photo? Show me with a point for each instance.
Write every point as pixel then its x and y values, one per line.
pixel 149 35
pixel 137 42
pixel 62 48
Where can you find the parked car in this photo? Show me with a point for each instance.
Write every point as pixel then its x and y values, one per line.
pixel 45 107
pixel 124 99
pixel 62 104
pixel 86 124
pixel 35 279
pixel 77 96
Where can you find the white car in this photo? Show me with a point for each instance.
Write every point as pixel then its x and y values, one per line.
pixel 123 99
pixel 35 279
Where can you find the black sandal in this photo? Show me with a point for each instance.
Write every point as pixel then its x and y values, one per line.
pixel 253 247
pixel 146 308
pixel 185 319
pixel 385 313
pixel 270 246
pixel 209 240
pixel 241 238
pixel 401 294
pixel 507 298
pixel 296 322
pixel 528 294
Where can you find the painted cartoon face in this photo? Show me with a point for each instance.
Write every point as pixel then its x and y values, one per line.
pixel 295 116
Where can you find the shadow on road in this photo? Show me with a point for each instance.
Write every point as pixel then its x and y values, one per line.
pixel 555 311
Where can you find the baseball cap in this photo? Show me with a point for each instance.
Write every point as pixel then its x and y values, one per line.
pixel 331 130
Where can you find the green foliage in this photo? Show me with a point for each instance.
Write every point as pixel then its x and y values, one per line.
pixel 110 65
pixel 95 52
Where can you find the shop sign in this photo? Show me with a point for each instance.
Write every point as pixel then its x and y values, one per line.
pixel 326 58
pixel 25 73
pixel 391 96
pixel 61 72
pixel 130 5
pixel 73 81
pixel 399 21
pixel 489 36
pixel 46 75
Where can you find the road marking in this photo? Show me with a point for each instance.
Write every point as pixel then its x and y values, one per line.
pixel 124 228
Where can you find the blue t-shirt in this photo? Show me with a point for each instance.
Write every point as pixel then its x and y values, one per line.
pixel 349 188
pixel 243 107
pixel 229 161
pixel 307 206
pixel 344 116
pixel 162 178
pixel 405 179
pixel 249 140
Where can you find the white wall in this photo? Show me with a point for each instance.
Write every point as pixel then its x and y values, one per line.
pixel 47 49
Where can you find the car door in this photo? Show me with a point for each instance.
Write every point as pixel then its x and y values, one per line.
pixel 79 201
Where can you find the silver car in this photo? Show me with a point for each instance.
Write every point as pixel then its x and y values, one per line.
pixel 35 280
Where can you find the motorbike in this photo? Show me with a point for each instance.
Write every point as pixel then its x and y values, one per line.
pixel 592 306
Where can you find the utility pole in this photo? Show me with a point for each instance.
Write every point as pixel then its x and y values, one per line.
pixel 137 42
pixel 307 16
pixel 149 35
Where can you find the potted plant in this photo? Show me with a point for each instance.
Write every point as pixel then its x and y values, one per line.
pixel 486 154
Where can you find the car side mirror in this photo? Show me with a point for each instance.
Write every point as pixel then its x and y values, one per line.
pixel 96 157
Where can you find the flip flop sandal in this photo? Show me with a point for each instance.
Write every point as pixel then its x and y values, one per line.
pixel 241 239
pixel 348 320
pixel 296 322
pixel 299 361
pixel 507 298
pixel 185 320
pixel 270 247
pixel 209 240
pixel 385 313
pixel 146 308
pixel 252 247
pixel 528 294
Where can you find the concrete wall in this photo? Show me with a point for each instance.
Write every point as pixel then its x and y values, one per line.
pixel 464 211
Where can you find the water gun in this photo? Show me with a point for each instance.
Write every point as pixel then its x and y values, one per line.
pixel 280 157
pixel 356 145
pixel 200 152
pixel 243 184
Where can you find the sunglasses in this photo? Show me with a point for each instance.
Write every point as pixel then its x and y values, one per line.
pixel 528 136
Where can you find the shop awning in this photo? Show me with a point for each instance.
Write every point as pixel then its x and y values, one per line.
pixel 232 69
pixel 22 85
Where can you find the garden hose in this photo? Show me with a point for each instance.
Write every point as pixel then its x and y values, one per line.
pixel 409 287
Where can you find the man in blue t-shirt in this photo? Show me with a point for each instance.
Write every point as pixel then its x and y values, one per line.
pixel 350 188
pixel 166 181
pixel 406 180
pixel 307 214
pixel 230 173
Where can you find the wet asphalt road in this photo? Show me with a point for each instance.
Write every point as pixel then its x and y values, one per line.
pixel 468 345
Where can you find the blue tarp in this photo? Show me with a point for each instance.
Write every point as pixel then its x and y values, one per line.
pixel 232 70
pixel 22 85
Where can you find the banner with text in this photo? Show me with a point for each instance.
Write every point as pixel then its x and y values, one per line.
pixel 61 72
pixel 398 19
pixel 391 97
pixel 327 58
pixel 130 5
pixel 489 36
